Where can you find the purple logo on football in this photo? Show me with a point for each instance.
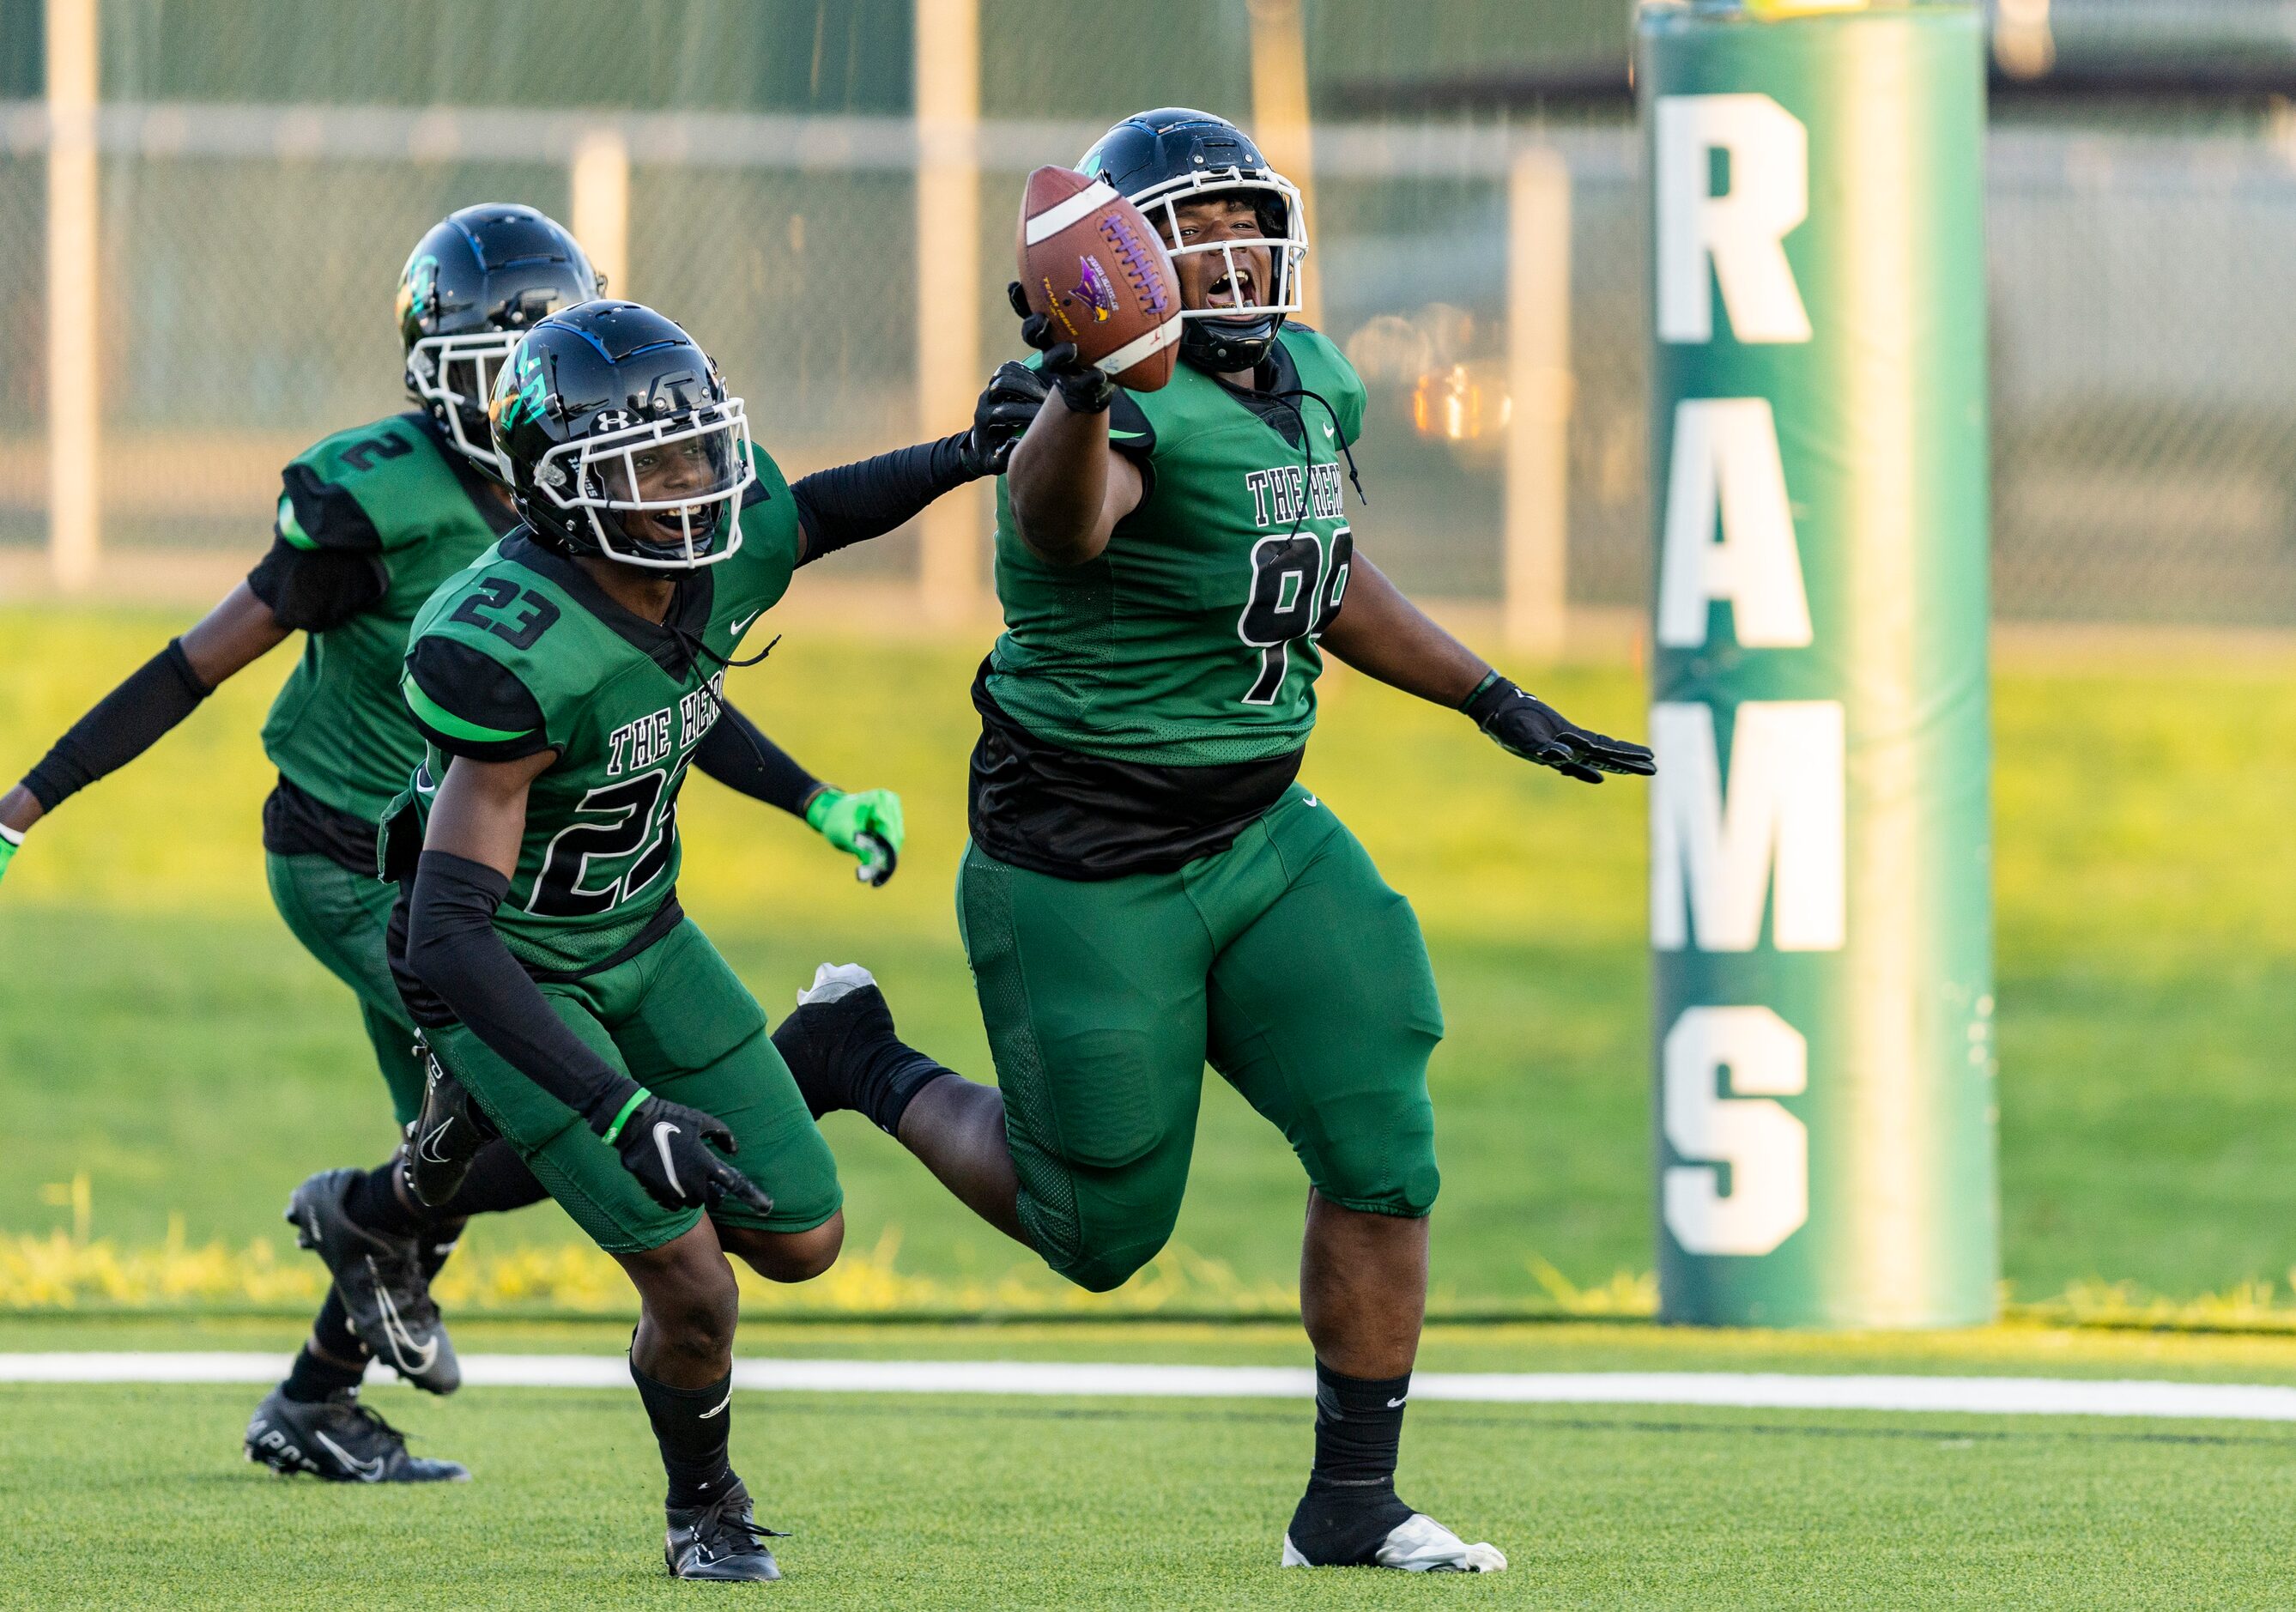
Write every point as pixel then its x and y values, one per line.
pixel 1095 289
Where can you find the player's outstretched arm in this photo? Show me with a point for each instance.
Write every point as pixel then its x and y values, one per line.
pixel 1069 487
pixel 864 824
pixel 469 853
pixel 849 504
pixel 141 711
pixel 1383 634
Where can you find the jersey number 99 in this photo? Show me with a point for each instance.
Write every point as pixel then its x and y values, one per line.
pixel 1296 590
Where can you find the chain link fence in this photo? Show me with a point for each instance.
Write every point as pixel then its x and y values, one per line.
pixel 2144 349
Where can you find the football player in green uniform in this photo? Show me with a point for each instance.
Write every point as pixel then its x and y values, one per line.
pixel 1148 884
pixel 567 684
pixel 371 520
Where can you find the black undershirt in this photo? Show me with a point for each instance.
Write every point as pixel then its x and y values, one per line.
pixel 1038 805
pixel 298 823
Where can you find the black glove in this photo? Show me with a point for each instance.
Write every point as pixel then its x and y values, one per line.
pixel 1536 731
pixel 1085 387
pixel 1013 395
pixel 661 1144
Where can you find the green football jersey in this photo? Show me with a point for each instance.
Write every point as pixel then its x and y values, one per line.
pixel 393 492
pixel 1191 640
pixel 524 653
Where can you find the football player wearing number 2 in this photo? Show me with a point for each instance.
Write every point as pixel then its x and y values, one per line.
pixel 1148 886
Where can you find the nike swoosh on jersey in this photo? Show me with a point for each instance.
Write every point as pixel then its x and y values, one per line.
pixel 743 625
pixel 1115 435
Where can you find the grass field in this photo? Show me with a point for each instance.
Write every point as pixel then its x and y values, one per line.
pixel 162 1034
pixel 1001 1502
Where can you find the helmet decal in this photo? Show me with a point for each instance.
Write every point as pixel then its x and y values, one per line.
pixel 521 394
pixel 418 288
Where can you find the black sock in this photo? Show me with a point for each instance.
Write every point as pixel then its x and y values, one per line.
pixel 498 1181
pixel 439 1243
pixel 373 1203
pixel 692 1425
pixel 313 1379
pixel 1350 1505
pixel 894 1079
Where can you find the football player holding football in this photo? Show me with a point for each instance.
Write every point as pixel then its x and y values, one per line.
pixel 567 684
pixel 1148 886
pixel 371 520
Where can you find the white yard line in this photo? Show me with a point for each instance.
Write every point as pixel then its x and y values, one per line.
pixel 1772 1390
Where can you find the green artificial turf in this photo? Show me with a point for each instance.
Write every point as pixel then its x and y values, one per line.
pixel 159 1031
pixel 906 1500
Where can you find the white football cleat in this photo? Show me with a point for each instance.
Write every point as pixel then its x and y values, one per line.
pixel 832 981
pixel 1421 1544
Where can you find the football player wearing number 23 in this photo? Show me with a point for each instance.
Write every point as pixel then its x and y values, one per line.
pixel 566 683
pixel 1149 886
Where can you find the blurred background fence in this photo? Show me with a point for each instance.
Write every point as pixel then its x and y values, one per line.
pixel 262 166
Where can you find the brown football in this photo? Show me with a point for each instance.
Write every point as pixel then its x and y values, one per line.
pixel 1097 269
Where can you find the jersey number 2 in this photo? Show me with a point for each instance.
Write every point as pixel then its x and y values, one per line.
pixel 1295 592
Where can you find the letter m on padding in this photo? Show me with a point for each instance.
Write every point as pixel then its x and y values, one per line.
pixel 1717 854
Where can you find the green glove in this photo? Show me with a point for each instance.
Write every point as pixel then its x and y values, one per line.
pixel 866 825
pixel 10 839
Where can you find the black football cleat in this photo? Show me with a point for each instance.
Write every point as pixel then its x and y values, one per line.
pixel 721 1540
pixel 340 1441
pixel 444 1138
pixel 382 1281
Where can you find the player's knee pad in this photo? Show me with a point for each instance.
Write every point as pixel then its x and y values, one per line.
pixel 1101 1271
pixel 1380 1157
pixel 1097 1228
pixel 1057 1233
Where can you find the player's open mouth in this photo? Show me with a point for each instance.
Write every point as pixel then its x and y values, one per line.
pixel 671 525
pixel 1235 290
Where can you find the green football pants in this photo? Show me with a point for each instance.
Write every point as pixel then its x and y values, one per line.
pixel 341 916
pixel 676 1020
pixel 1285 960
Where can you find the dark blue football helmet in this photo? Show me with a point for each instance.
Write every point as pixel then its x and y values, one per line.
pixel 1161 159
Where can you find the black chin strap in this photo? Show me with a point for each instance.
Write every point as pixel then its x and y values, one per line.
pixel 1338 433
pixel 696 650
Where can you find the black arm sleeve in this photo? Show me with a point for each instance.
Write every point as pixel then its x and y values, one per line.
pixel 849 504
pixel 739 756
pixel 452 947
pixel 313 590
pixel 123 725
